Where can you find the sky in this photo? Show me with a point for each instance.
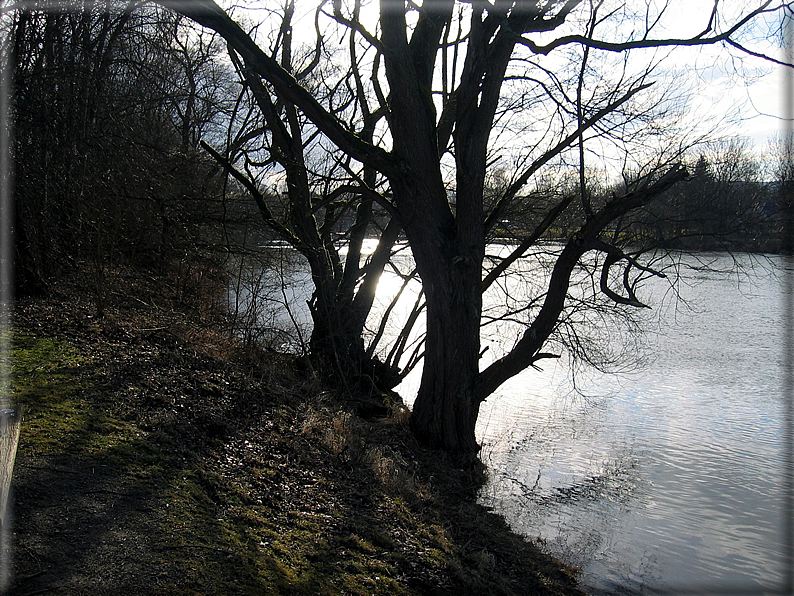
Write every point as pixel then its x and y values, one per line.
pixel 758 96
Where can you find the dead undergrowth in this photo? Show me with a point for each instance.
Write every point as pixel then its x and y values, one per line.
pixel 158 457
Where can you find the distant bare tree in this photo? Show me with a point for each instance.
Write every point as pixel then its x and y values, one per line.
pixel 109 103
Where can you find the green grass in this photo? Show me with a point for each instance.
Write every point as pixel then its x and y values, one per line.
pixel 65 412
pixel 253 549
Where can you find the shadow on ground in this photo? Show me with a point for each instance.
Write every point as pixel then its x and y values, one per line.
pixel 156 459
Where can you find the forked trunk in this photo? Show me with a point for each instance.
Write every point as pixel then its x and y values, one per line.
pixel 337 349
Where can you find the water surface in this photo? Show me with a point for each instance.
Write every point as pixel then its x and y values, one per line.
pixel 666 479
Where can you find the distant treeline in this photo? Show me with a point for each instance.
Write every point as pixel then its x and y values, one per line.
pixel 730 202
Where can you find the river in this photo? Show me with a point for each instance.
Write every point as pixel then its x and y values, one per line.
pixel 668 478
pixel 664 479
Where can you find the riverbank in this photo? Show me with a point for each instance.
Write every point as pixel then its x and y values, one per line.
pixel 157 457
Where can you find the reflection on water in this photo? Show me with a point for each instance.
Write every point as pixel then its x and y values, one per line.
pixel 665 479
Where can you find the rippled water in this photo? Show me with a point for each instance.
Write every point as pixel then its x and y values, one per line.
pixel 666 479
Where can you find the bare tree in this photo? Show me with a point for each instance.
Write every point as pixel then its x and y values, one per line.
pixel 322 203
pixel 440 77
pixel 109 102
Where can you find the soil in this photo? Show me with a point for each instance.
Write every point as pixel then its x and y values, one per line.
pixel 157 456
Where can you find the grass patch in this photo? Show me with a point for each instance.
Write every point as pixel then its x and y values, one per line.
pixel 64 413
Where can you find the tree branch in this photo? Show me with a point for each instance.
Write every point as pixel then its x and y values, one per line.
pixel 614 254
pixel 512 191
pixel 699 40
pixel 250 186
pixel 529 241
pixel 208 14
pixel 527 350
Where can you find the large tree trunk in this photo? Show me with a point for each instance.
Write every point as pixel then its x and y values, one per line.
pixel 445 410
